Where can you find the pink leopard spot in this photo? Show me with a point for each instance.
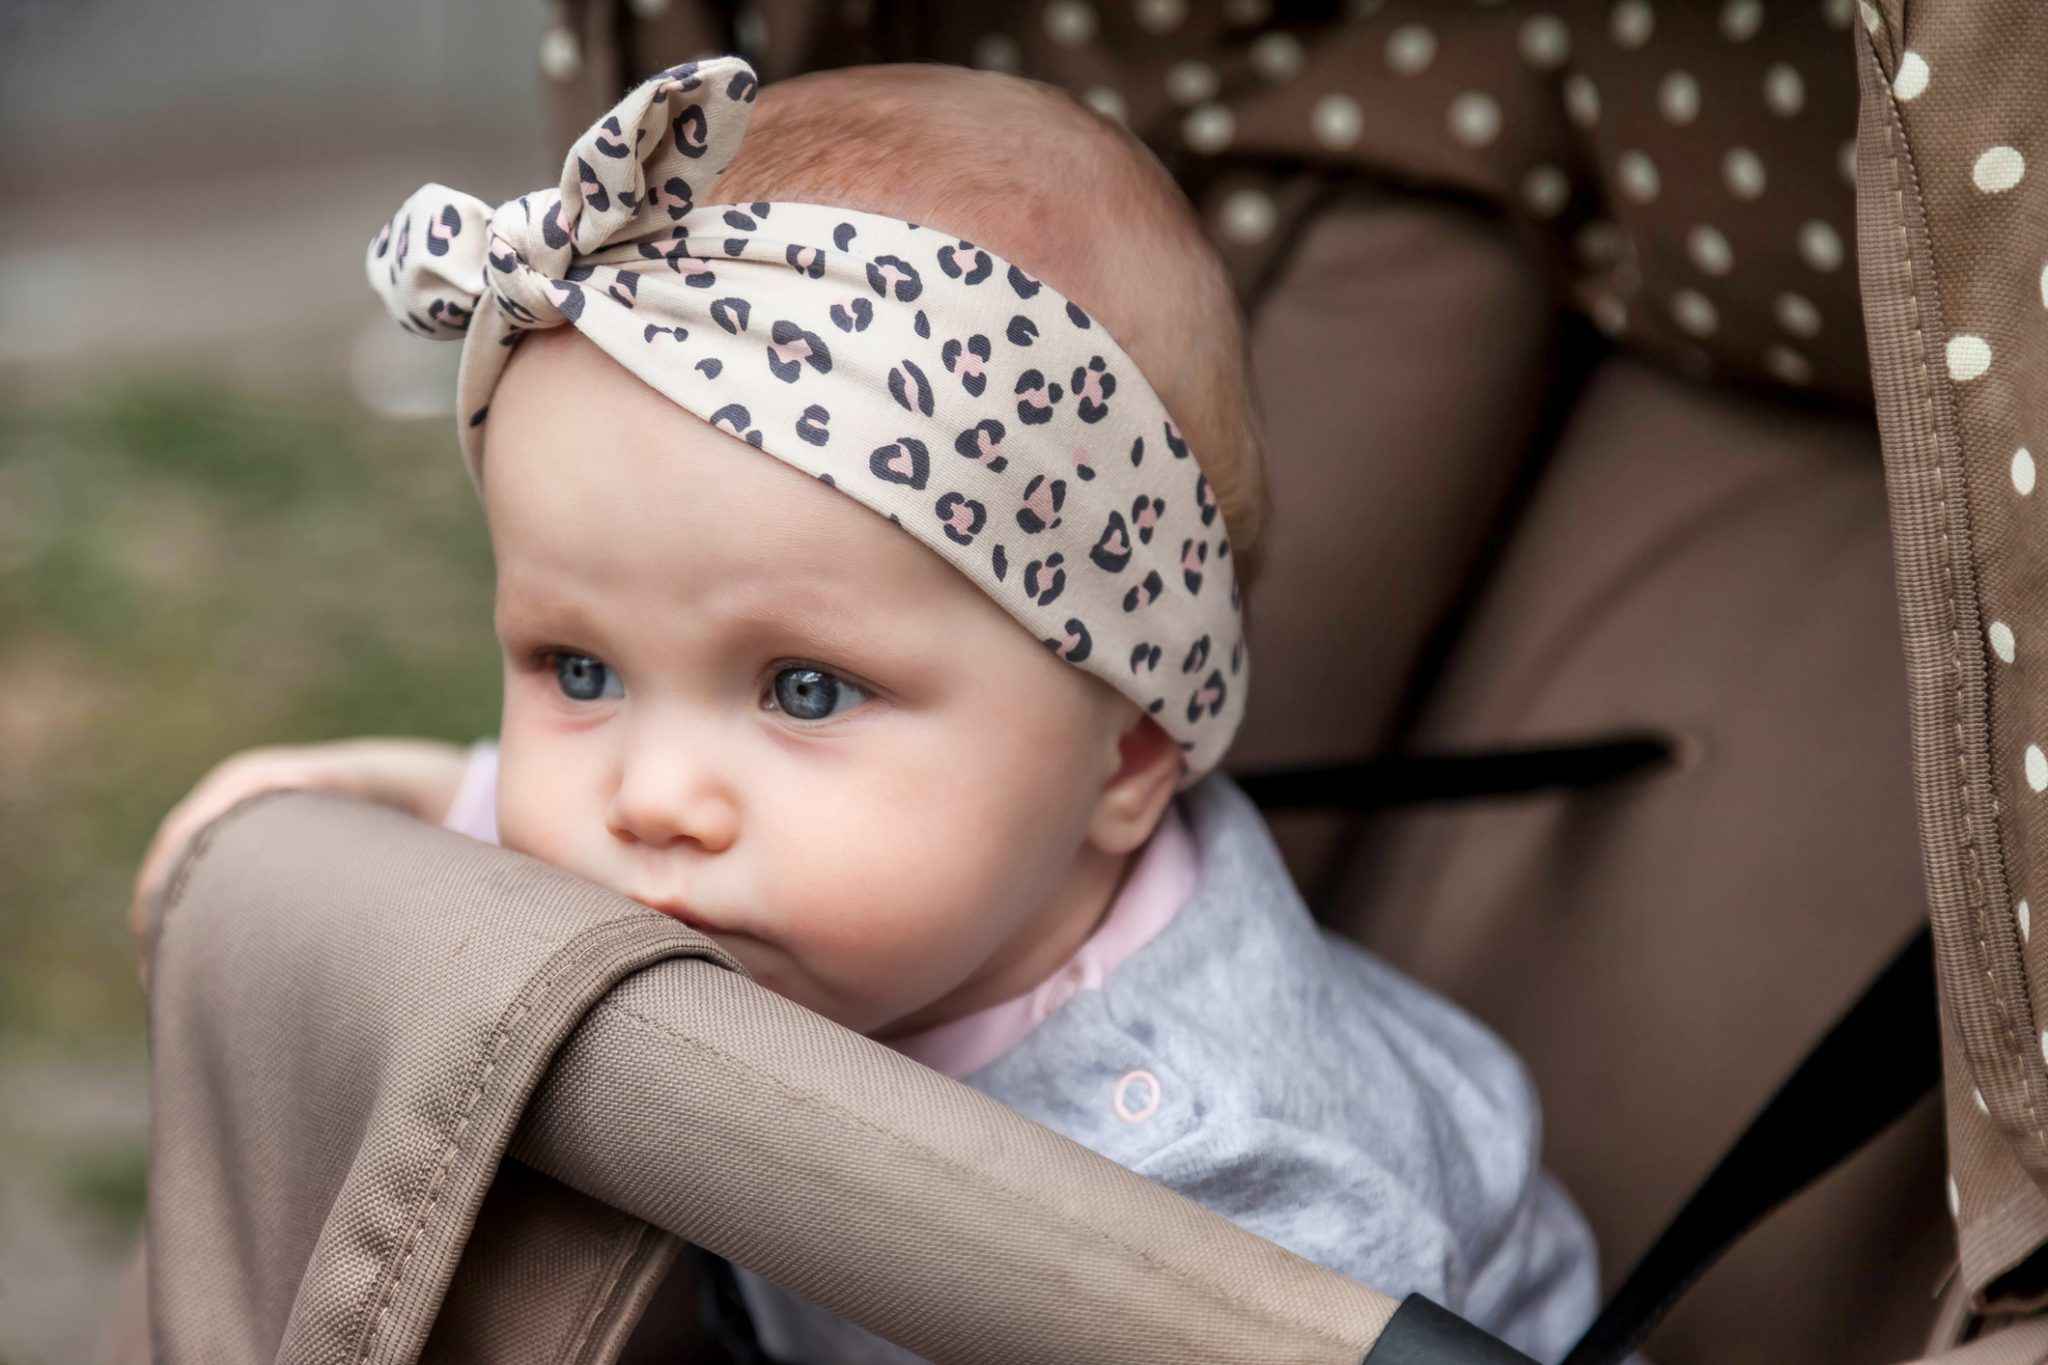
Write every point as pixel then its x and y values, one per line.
pixel 1116 544
pixel 1148 518
pixel 793 350
pixel 989 449
pixel 1188 561
pixel 961 519
pixel 1040 503
pixel 902 463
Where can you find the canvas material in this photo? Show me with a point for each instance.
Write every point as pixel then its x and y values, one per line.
pixel 937 384
pixel 330 1107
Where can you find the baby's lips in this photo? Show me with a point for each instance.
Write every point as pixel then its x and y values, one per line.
pixel 678 910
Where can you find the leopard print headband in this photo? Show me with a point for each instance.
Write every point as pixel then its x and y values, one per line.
pixel 932 381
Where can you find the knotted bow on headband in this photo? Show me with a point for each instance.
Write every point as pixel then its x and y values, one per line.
pixel 943 387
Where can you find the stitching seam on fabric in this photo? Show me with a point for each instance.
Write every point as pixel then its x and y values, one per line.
pixel 1901 149
pixel 594 1302
pixel 1214 1291
pixel 449 1151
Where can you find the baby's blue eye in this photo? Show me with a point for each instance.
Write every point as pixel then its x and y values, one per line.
pixel 813 694
pixel 583 678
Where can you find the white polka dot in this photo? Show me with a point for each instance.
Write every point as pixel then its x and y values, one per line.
pixel 1600 242
pixel 1740 19
pixel 1977 1098
pixel 1999 170
pixel 1247 12
pixel 1820 245
pixel 1136 1097
pixel 560 54
pixel 1069 22
pixel 2023 471
pixel 1107 101
pixel 1545 42
pixel 1912 77
pixel 1797 315
pixel 1637 175
pixel 649 9
pixel 1410 49
pixel 1784 91
pixel 1581 100
pixel 1839 12
pixel 1610 315
pixel 1336 121
pixel 996 52
pixel 1277 56
pixel 1209 128
pixel 1743 172
pixel 1968 358
pixel 1678 97
pixel 1632 22
pixel 1955 1196
pixel 2026 919
pixel 1474 118
pixel 2037 768
pixel 1247 216
pixel 750 30
pixel 1190 82
pixel 2000 635
pixel 1694 312
pixel 1787 366
pixel 1161 16
pixel 1845 161
pixel 1545 189
pixel 1709 249
pixel 1872 20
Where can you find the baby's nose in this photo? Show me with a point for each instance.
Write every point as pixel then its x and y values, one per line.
pixel 661 804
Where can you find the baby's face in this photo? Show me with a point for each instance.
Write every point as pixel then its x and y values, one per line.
pixel 740 697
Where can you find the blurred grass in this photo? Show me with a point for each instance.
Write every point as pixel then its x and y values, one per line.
pixel 187 570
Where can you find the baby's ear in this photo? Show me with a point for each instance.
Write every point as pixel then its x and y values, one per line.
pixel 1148 767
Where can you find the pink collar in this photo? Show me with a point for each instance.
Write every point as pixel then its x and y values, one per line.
pixel 1158 884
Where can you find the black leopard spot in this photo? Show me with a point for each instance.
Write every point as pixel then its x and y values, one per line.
pixel 593 188
pixel 984 442
pixel 732 314
pixel 1174 443
pixel 805 260
pixel 1206 498
pixel 1198 654
pixel 613 146
pixel 1043 497
pixel 843 235
pixel 650 332
pixel 1137 452
pixel 1191 574
pixel 625 289
pixel 711 367
pixel 1113 547
pixel 449 230
pixel 1145 514
pixel 742 87
pixel 791 348
pixel 853 315
pixel 734 420
pixel 966 262
pixel 1077 646
pixel 1145 593
pixel 1044 579
pixel 1144 656
pixel 901 461
pixel 1077 317
pixel 551 227
pixel 1023 331
pixel 1035 398
pixel 690 130
pixel 908 386
pixel 1209 696
pixel 1025 286
pixel 740 221
pixel 893 272
pixel 953 509
pixel 1000 562
pixel 965 360
pixel 1093 385
pixel 811 426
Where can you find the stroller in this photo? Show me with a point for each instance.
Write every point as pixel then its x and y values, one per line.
pixel 1619 637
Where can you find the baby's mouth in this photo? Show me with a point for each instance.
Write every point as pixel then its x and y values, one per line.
pixel 677 910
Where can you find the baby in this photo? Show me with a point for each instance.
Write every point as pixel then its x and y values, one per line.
pixel 863 606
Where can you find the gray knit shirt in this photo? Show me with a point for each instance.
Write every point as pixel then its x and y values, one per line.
pixel 1306 1091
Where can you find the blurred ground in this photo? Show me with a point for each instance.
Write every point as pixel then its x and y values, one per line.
pixel 209 538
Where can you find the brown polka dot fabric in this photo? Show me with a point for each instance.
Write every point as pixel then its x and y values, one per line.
pixel 1954 261
pixel 1685 168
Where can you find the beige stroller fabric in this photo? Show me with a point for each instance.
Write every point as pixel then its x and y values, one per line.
pixel 326 1135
